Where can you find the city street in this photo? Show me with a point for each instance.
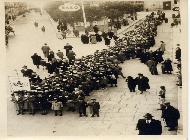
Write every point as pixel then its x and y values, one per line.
pixel 120 109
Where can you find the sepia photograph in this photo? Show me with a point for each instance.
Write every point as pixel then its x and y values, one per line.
pixel 95 67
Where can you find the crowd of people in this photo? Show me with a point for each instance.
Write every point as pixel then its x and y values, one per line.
pixel 12 11
pixel 71 79
pixel 8 28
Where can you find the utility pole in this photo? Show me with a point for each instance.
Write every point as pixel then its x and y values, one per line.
pixel 83 13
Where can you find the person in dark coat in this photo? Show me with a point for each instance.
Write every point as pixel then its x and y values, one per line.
pixel 35 24
pixel 110 34
pixel 154 70
pixel 152 67
pixel 45 104
pixel 36 59
pixel 167 66
pixel 95 107
pixel 68 47
pixel 84 39
pixel 51 56
pixel 96 29
pixel 131 83
pixel 71 56
pixel 144 57
pixel 149 126
pixel 20 102
pixel 82 108
pixel 107 41
pixel 50 68
pixel 43 29
pixel 158 55
pixel 98 37
pixel 143 83
pixel 171 116
pixel 178 54
pixel 113 80
pixel 26 72
pixel 31 100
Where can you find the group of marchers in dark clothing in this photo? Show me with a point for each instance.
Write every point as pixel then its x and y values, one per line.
pixel 71 79
pixel 98 36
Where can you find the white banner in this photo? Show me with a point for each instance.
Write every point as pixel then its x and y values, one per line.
pixel 69 7
pixel 19 83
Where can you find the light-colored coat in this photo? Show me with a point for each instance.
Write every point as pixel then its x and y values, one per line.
pixel 56 105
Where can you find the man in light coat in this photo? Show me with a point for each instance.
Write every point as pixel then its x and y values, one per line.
pixel 57 107
pixel 45 50
pixel 162 47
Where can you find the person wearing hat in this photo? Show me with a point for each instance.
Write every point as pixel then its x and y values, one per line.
pixel 71 56
pixel 142 82
pixel 82 107
pixel 167 66
pixel 20 102
pixel 51 56
pixel 158 55
pixel 45 104
pixel 93 39
pixel 59 35
pixel 162 47
pixel 149 126
pixel 152 64
pixel 36 59
pixel 43 29
pixel 178 53
pixel 94 107
pixel 45 49
pixel 64 34
pixel 60 54
pixel 14 99
pixel 31 103
pixel 161 95
pixel 107 40
pixel 26 72
pixel 170 115
pixel 131 82
pixel 76 32
pixel 96 29
pixel 57 106
pixel 68 47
